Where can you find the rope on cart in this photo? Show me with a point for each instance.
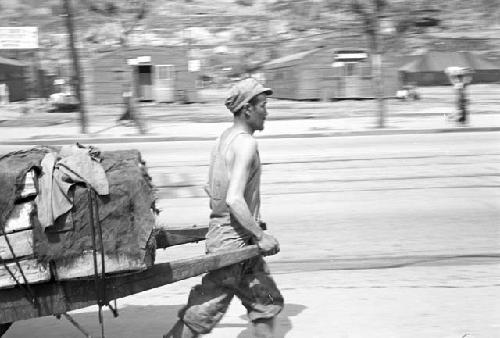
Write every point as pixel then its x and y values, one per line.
pixel 29 293
pixel 75 324
pixel 99 278
pixel 103 298
pixel 65 314
pixel 97 283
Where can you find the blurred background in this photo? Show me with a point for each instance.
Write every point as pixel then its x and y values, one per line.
pixel 186 51
pixel 380 162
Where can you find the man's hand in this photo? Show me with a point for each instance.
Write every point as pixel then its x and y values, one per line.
pixel 268 245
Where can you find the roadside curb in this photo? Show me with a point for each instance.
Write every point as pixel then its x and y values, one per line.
pixel 144 139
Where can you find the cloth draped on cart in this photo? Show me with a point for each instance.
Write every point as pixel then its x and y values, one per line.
pixel 125 214
pixel 13 169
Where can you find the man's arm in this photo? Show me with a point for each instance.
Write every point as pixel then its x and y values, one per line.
pixel 246 148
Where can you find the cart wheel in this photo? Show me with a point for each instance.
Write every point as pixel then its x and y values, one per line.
pixel 4 328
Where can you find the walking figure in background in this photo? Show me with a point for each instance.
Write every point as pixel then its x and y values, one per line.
pixel 4 93
pixel 460 78
pixel 234 191
pixel 130 112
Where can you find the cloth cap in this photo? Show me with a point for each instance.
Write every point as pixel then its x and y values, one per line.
pixel 244 91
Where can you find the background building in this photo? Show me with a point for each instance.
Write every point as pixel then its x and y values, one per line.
pixel 428 69
pixel 159 74
pixel 326 74
pixel 13 74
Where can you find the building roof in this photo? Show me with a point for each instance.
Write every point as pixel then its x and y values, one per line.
pixel 131 49
pixel 438 61
pixel 289 58
pixel 12 62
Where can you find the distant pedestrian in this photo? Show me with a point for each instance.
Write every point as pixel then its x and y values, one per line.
pixel 461 94
pixel 4 93
pixel 234 191
pixel 130 110
pixel 460 78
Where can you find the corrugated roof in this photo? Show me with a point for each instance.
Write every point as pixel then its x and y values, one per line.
pixel 439 61
pixel 480 63
pixel 289 58
pixel 12 62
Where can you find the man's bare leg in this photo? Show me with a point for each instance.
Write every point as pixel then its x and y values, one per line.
pixel 181 330
pixel 263 328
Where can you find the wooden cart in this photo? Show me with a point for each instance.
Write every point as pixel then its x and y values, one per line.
pixel 58 298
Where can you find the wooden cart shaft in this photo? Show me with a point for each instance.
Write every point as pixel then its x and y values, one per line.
pixel 60 297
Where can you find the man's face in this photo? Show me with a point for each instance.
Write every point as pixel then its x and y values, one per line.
pixel 257 113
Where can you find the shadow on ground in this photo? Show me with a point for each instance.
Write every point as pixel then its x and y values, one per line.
pixel 283 322
pixel 133 321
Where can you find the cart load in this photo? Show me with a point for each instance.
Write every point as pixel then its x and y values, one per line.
pixel 68 212
pixel 77 228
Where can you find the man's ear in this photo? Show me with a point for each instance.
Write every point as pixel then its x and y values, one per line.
pixel 246 110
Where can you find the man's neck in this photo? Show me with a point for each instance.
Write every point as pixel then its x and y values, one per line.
pixel 240 124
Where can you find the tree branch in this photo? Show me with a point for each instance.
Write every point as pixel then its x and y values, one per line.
pixel 111 9
pixel 357 8
pixel 141 14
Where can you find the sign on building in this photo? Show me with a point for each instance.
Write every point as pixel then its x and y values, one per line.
pixel 194 65
pixel 18 37
pixel 139 60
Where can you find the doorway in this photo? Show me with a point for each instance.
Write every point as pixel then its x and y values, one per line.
pixel 164 83
pixel 143 82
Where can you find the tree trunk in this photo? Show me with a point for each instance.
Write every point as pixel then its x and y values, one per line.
pixel 379 87
pixel 76 78
pixel 377 78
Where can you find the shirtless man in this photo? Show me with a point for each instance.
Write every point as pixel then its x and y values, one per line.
pixel 234 191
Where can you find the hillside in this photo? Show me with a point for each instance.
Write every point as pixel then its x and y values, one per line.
pixel 254 31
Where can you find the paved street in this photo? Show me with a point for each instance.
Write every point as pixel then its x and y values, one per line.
pixel 381 236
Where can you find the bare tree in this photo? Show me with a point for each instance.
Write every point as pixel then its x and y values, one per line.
pixel 77 80
pixel 127 14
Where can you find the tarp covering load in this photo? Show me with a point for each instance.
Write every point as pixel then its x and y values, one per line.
pixel 64 231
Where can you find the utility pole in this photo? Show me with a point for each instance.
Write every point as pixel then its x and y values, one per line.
pixel 77 80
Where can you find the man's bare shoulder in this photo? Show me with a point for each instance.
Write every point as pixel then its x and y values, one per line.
pixel 245 143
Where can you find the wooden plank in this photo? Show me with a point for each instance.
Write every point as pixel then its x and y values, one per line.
pixel 83 266
pixel 166 237
pixel 55 298
pixel 29 188
pixel 34 271
pixel 20 217
pixel 21 243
